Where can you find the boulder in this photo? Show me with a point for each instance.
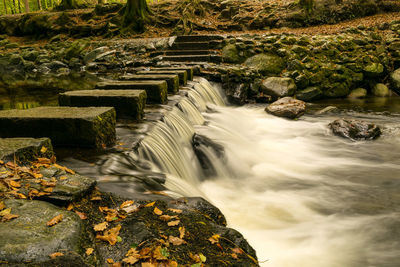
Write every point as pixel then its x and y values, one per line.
pixel 309 94
pixel 28 239
pixel 373 70
pixel 278 87
pixel 358 93
pixel 395 81
pixel 327 110
pixel 266 64
pixel 355 129
pixel 380 89
pixel 287 107
pixel 230 54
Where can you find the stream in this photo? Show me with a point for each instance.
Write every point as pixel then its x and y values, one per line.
pixel 300 195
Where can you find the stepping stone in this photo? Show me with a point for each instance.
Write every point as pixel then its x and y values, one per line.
pixel 171 79
pixel 190 46
pixel 128 103
pixel 65 126
pixel 157 91
pixel 27 240
pixel 181 73
pixel 189 70
pixel 187 52
pixel 187 58
pixel 25 150
pixel 198 38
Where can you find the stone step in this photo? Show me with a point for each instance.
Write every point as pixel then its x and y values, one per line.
pixel 65 126
pixel 187 58
pixel 25 150
pixel 157 91
pixel 183 77
pixel 127 103
pixel 188 52
pixel 189 70
pixel 190 46
pixel 198 38
pixel 171 79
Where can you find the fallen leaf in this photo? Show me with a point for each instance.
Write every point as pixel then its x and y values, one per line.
pixel 89 251
pixel 132 256
pixel 33 193
pixel 1 162
pixel 181 231
pixel 37 175
pixel 9 217
pixel 145 253
pixel 95 198
pixel 47 183
pixel 63 168
pixel 56 254
pixel 5 212
pixel 151 204
pixel 126 204
pixel 131 209
pixel 202 257
pixel 157 211
pixel 43 194
pixel 81 215
pixel 14 184
pixel 214 239
pixel 43 160
pixel 172 263
pixel 2 205
pixel 112 215
pixel 55 220
pixel 175 240
pixel 116 264
pixel 237 250
pixel 70 206
pixel 130 260
pixel 174 223
pixel 43 149
pixel 235 256
pixel 48 189
pixel 175 210
pixel 148 264
pixel 110 236
pixel 110 261
pixel 167 217
pixel 160 253
pixel 101 226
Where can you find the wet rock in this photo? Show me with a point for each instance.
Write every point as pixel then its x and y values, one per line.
pixel 25 149
pixel 94 54
pixel 266 64
pixel 203 147
pixel 395 81
pixel 373 70
pixel 381 90
pixel 309 94
pixel 358 93
pixel 55 65
pixel 327 110
pixel 230 54
pixel 278 87
pixel 28 239
pixel 287 107
pixel 76 49
pixel 355 129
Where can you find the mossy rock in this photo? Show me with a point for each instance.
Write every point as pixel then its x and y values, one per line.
pixel 266 64
pixel 374 70
pixel 76 49
pixel 230 54
pixel 358 93
pixel 380 90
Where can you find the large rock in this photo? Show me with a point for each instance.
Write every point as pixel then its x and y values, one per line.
pixel 28 239
pixel 25 149
pixel 266 64
pixel 278 87
pixel 374 70
pixel 129 103
pixel 287 107
pixel 358 93
pixel 355 129
pixel 309 94
pixel 381 90
pixel 230 54
pixel 395 81
pixel 67 126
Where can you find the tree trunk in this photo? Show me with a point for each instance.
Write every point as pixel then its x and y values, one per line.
pixel 39 2
pixel 5 6
pixel 27 6
pixel 100 2
pixel 135 15
pixel 67 4
pixel 19 6
pixel 13 8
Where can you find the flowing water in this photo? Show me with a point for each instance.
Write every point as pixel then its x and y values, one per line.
pixel 301 196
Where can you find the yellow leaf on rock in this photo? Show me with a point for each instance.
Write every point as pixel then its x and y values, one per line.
pixel 126 204
pixel 55 220
pixel 56 254
pixel 43 149
pixel 89 251
pixel 110 261
pixel 70 206
pixel 63 168
pixel 148 264
pixel 175 240
pixel 151 204
pixel 172 263
pixel 116 264
pixel 9 217
pixel 101 226
pixel 2 205
pixel 81 215
pixel 14 184
pixel 174 223
pixel 157 211
pixel 130 260
pixel 158 255
pixel 175 210
pixel 181 232
pixel 166 218
pixel 110 236
pixel 5 212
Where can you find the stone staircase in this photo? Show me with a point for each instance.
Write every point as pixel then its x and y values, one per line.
pixel 194 48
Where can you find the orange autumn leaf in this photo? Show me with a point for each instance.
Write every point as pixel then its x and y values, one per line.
pixel 43 160
pixel 116 264
pixel 43 149
pixel 112 215
pixel 63 168
pixel 176 240
pixel 126 204
pixel 145 252
pixel 2 205
pixel 158 254
pixel 148 264
pixel 89 251
pixel 214 239
pixel 151 204
pixel 110 261
pixel 172 263
pixel 9 217
pixel 55 220
pixel 14 184
pixel 181 232
pixel 81 215
pixel 174 223
pixel 55 255
pixel 157 211
pixel 48 189
pixel 237 250
pixel 130 260
pixel 70 206
pixel 33 193
pixel 49 184
pixel 110 236
pixel 175 210
pixel 166 218
pixel 37 175
pixel 235 256
pixel 101 226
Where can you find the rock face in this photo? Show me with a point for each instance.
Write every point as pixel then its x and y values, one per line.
pixel 287 107
pixel 278 87
pixel 29 239
pixel 355 129
pixel 266 64
pixel 395 81
pixel 25 149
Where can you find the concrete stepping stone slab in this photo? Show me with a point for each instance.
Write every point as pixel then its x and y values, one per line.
pixel 65 126
pixel 198 38
pixel 25 150
pixel 190 46
pixel 157 91
pixel 188 58
pixel 189 70
pixel 28 239
pixel 171 79
pixel 183 77
pixel 127 103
